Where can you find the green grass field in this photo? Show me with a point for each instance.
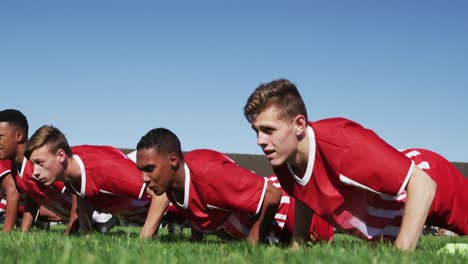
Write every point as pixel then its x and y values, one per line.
pixel 123 246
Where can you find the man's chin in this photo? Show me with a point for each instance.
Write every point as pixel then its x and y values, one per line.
pixel 48 183
pixel 3 156
pixel 159 193
pixel 156 192
pixel 276 162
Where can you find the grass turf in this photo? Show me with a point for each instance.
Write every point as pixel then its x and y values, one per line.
pixel 123 246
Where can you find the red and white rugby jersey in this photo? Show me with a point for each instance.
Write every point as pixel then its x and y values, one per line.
pixel 319 229
pixel 111 182
pixel 3 207
pixel 354 180
pixel 5 167
pixel 238 225
pixel 215 187
pixel 449 209
pixel 54 197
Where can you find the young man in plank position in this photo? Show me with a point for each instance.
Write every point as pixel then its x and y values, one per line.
pixel 102 177
pixel 350 177
pixel 216 195
pixel 13 139
pixel 11 195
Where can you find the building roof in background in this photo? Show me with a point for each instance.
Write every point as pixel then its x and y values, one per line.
pixel 259 164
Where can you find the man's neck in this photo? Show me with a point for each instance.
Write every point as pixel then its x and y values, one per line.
pixel 72 171
pixel 178 185
pixel 301 158
pixel 19 158
pixel 179 178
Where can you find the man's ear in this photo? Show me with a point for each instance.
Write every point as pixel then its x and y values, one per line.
pixel 20 137
pixel 174 160
pixel 300 125
pixel 61 155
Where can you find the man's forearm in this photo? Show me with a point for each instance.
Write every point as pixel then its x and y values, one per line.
pixel 31 209
pixel 11 210
pixel 156 212
pixel 262 226
pixel 420 193
pixel 85 212
pixel 303 218
pixel 12 198
pixel 73 222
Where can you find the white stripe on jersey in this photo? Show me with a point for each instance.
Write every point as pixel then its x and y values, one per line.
pixel 273 178
pixel 351 182
pixel 383 212
pixel 387 231
pixel 131 156
pixel 278 223
pixel 285 199
pixel 424 165
pixel 401 194
pixel 212 207
pixel 281 216
pixel 111 193
pixel 5 172
pixel 400 197
pixel 262 197
pixel 142 191
pixel 20 172
pixel 82 192
pixel 359 225
pixel 235 223
pixel 371 232
pixel 412 153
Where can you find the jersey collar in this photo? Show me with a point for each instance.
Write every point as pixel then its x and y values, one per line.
pixel 186 188
pixel 310 163
pixel 23 165
pixel 80 163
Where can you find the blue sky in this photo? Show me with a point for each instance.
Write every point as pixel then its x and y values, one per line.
pixel 105 72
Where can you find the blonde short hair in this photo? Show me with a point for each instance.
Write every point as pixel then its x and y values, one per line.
pixel 48 135
pixel 280 93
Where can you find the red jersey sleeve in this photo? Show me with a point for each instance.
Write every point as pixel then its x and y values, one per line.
pixel 370 163
pixel 5 167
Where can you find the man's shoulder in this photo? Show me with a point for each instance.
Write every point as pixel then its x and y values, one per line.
pixel 205 155
pixel 101 156
pixel 336 132
pixel 206 165
pixel 333 123
pixel 91 149
pixel 5 166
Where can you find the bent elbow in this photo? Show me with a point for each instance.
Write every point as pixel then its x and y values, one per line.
pixel 278 194
pixel 274 196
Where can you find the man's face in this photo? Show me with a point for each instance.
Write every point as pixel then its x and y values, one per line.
pixel 8 140
pixel 276 137
pixel 48 166
pixel 156 168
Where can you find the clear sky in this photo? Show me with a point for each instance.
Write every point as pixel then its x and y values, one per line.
pixel 105 72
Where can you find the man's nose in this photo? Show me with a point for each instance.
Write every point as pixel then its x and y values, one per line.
pixel 145 177
pixel 262 139
pixel 36 170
